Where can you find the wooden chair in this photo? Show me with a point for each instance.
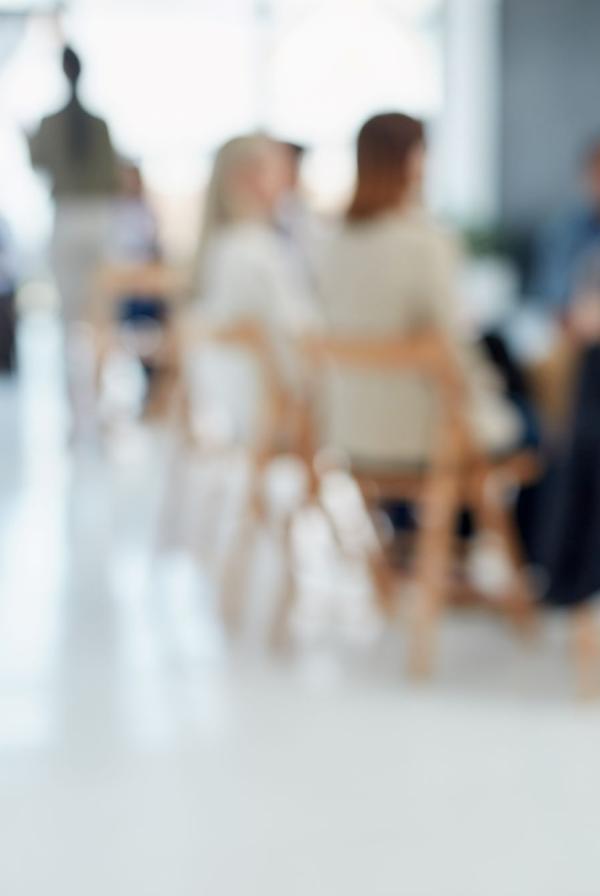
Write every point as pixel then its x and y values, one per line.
pixel 278 432
pixel 458 476
pixel 111 284
pixel 552 380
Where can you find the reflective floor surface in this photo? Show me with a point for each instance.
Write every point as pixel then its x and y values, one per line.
pixel 144 752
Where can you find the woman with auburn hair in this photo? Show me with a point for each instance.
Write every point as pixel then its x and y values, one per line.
pixel 390 155
pixel 392 269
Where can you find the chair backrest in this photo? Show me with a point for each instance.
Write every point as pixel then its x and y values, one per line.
pixel 427 354
pixel 151 280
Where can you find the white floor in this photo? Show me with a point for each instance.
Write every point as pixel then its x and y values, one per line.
pixel 142 752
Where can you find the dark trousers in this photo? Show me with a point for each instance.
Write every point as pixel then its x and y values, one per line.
pixel 572 508
pixel 8 326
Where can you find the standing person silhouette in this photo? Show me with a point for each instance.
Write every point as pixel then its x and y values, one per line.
pixel 74 148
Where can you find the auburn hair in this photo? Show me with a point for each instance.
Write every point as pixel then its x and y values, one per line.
pixel 383 150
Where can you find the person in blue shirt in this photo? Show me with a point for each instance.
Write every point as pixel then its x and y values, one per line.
pixel 565 241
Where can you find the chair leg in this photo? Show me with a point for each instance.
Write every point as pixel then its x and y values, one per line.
pixel 102 346
pixel 279 633
pixel 238 560
pixel 433 561
pixel 494 516
pixel 586 648
pixel 179 428
pixel 381 575
pixel 383 579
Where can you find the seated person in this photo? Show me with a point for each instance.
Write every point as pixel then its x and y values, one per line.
pixel 565 241
pixel 393 270
pixel 573 548
pixel 135 241
pixel 573 508
pixel 244 272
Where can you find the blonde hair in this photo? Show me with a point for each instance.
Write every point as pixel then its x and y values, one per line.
pixel 224 204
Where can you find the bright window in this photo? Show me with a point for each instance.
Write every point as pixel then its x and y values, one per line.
pixel 176 79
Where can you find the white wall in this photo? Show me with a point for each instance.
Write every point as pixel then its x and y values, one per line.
pixel 467 166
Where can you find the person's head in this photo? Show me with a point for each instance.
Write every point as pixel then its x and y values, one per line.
pixel 591 172
pixel 293 155
pixel 71 64
pixel 77 124
pixel 247 181
pixel 390 164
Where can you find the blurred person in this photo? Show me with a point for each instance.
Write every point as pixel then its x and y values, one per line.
pixel 134 240
pixel 298 225
pixel 566 240
pixel 74 148
pixel 8 287
pixel 134 234
pixel 393 269
pixel 245 272
pixel 573 509
pixel 573 546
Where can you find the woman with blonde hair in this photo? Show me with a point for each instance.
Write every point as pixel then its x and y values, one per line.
pixel 243 268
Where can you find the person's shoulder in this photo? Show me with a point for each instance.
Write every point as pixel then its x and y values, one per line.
pixel 56 118
pixel 96 120
pixel 392 232
pixel 423 223
pixel 96 124
pixel 52 120
pixel 421 233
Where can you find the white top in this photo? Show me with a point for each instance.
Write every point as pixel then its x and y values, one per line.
pixel 247 276
pixel 389 276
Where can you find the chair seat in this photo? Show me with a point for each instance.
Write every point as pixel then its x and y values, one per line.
pixel 406 481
